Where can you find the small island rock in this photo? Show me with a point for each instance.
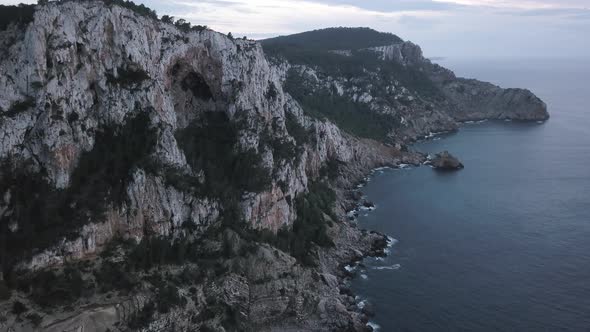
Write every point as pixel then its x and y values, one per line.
pixel 446 161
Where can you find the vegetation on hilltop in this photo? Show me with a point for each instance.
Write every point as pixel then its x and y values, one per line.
pixel 331 39
pixel 22 14
pixel 353 117
pixel 357 66
pixel 315 48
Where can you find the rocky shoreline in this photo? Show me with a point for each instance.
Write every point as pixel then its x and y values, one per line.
pixel 368 243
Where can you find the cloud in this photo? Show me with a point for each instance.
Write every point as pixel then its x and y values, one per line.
pixel 394 6
pixel 521 4
pixel 565 13
pixel 261 17
pixel 441 27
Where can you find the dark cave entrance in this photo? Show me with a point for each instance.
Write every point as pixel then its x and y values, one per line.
pixel 196 84
pixel 195 92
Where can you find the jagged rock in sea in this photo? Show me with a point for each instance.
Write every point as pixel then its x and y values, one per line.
pixel 158 177
pixel 445 161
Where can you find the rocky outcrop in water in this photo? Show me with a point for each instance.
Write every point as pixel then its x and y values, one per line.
pixel 446 162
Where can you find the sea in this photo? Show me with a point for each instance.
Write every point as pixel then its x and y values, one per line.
pixel 504 244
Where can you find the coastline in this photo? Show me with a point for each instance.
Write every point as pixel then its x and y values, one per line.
pixel 363 204
pixel 354 244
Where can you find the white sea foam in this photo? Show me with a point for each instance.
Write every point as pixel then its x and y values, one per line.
pixel 390 267
pixel 350 268
pixel 379 169
pixel 404 166
pixel 361 304
pixel 374 326
pixel 391 241
pixel 364 276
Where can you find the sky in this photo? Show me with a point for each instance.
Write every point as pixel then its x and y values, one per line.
pixel 444 28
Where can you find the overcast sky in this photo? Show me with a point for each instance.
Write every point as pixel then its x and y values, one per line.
pixel 442 27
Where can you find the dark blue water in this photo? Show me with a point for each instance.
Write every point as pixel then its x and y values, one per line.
pixel 503 245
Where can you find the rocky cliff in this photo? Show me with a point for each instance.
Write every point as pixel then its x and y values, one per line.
pixel 407 95
pixel 118 127
pixel 158 177
pixel 468 99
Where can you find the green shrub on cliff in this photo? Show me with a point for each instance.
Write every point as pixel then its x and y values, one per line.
pixel 20 106
pixel 168 298
pixel 50 288
pixel 157 251
pixel 296 130
pixel 21 14
pixel 142 318
pixel 128 77
pixel 210 144
pixel 353 117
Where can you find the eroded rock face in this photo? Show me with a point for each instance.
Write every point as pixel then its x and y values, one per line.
pixel 81 67
pixel 405 53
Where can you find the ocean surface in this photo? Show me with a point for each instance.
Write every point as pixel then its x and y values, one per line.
pixel 503 245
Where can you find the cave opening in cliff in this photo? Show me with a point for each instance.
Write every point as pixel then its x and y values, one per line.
pixel 192 93
pixel 196 84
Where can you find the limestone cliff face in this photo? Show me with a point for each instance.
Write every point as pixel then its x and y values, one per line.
pixel 81 67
